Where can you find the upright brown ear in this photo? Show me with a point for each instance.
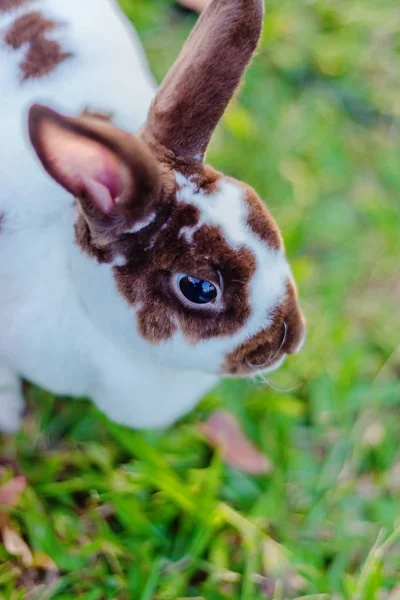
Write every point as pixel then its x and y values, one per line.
pixel 195 93
pixel 111 173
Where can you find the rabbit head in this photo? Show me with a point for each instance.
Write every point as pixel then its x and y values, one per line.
pixel 194 254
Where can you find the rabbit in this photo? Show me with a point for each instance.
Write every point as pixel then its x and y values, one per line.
pixel 131 272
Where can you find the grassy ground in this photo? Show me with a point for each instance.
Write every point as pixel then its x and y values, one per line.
pixel 159 516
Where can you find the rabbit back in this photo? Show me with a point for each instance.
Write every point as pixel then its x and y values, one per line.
pixel 100 66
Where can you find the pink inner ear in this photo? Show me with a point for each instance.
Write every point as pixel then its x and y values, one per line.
pixel 85 166
pixel 98 192
pixel 100 176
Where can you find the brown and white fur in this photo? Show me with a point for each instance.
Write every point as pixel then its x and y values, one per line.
pixel 98 229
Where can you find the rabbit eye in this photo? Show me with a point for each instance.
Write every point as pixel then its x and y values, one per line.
pixel 197 291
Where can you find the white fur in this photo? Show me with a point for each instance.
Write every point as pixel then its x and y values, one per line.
pixel 142 224
pixel 48 332
pixel 63 324
pixel 11 400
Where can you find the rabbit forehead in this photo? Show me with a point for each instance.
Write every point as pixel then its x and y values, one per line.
pixel 234 208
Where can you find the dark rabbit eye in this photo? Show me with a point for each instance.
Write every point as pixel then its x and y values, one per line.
pixel 196 290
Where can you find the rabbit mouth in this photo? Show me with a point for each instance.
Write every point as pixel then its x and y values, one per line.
pixel 262 359
pixel 271 360
pixel 266 367
pixel 274 359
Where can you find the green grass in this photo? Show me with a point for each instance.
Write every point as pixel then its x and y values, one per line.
pixel 157 516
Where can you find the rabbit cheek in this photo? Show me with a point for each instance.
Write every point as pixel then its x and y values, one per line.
pixel 267 349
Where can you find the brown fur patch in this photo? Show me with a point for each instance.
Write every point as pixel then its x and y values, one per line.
pixel 261 222
pixel 268 346
pixel 151 270
pixel 8 5
pixel 195 93
pixel 203 175
pixel 43 54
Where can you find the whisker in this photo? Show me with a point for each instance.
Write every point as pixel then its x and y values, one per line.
pixel 282 342
pixel 278 389
pixel 249 364
pixel 267 382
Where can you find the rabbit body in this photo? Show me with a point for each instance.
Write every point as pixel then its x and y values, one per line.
pixel 50 329
pixel 130 271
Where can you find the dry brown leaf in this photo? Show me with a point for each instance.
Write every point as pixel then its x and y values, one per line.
pixel 37 584
pixel 10 491
pixel 223 430
pixel 15 545
pixel 277 567
pixel 9 494
pixel 393 479
pixel 395 593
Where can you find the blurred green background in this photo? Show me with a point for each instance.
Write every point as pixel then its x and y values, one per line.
pixel 159 516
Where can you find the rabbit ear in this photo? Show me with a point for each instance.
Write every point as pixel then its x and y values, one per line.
pixel 195 93
pixel 110 172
